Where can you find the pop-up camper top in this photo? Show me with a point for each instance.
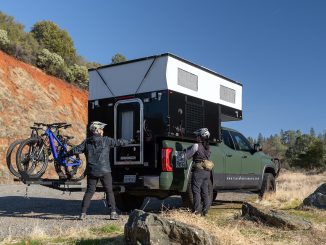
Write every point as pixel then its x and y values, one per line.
pixel 162 96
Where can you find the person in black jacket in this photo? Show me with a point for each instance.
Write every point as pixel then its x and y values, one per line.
pixel 97 152
pixel 200 176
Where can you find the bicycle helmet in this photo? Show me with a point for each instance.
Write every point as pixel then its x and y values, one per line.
pixel 96 125
pixel 202 132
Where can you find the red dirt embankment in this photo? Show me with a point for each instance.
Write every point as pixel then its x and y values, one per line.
pixel 29 95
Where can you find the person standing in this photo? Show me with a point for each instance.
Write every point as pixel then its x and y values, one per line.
pixel 200 176
pixel 97 151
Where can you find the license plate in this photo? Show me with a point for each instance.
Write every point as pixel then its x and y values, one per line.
pixel 129 179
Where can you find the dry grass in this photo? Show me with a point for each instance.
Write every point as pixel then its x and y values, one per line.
pixel 292 188
pixel 108 234
pixel 229 227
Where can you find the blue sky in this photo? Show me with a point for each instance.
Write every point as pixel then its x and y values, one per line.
pixel 276 49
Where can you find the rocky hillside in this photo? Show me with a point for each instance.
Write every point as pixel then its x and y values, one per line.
pixel 29 95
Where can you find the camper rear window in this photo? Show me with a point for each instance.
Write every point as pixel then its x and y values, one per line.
pixel 187 80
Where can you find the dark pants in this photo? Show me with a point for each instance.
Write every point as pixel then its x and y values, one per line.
pixel 199 186
pixel 106 181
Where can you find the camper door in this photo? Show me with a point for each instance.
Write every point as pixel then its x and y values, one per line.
pixel 128 124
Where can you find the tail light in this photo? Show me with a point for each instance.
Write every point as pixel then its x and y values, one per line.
pixel 166 160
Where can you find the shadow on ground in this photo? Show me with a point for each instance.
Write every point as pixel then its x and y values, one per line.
pixel 18 206
pixel 51 208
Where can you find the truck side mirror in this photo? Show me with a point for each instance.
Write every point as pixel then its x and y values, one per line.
pixel 258 147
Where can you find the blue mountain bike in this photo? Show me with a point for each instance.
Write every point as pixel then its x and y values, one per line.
pixel 33 155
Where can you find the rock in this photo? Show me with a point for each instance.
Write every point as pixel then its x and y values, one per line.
pixel 274 218
pixel 147 228
pixel 318 198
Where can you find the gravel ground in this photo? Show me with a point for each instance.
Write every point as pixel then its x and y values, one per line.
pixel 54 212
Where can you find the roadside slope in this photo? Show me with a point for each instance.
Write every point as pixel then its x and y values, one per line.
pixel 29 95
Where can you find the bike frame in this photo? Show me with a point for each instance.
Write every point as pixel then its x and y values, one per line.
pixel 52 137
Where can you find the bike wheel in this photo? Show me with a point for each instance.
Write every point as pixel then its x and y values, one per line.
pixel 32 158
pixel 10 158
pixel 79 171
pixel 73 173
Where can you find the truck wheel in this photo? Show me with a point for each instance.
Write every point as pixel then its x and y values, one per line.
pixel 127 203
pixel 187 197
pixel 214 196
pixel 268 186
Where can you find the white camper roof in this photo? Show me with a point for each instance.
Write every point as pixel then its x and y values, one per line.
pixel 163 72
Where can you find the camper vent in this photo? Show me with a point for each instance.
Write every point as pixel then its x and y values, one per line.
pixel 194 117
pixel 187 80
pixel 227 94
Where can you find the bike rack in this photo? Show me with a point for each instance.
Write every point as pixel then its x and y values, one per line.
pixel 62 184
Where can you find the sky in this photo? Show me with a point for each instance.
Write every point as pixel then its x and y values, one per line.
pixel 276 49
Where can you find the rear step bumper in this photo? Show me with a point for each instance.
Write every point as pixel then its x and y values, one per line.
pixel 142 182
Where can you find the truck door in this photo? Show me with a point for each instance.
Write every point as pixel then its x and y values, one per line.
pixel 128 124
pixel 250 163
pixel 232 162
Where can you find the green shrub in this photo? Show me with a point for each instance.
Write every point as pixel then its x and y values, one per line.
pixel 4 40
pixel 51 63
pixel 78 75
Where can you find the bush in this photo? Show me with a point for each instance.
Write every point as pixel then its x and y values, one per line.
pixel 78 75
pixel 4 41
pixel 51 63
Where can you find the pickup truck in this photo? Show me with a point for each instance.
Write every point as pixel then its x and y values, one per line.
pixel 238 166
pixel 159 101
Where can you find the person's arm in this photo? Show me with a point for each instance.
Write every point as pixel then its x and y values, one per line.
pixel 77 149
pixel 118 142
pixel 190 151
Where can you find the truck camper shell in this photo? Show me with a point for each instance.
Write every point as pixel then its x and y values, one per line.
pixel 160 96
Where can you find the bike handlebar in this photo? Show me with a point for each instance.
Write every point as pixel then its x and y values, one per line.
pixel 53 125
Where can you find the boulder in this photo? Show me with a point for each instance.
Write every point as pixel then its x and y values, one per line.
pixel 318 198
pixel 274 218
pixel 147 228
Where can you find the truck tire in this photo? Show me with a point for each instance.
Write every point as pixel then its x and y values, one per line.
pixel 214 196
pixel 187 197
pixel 268 186
pixel 127 203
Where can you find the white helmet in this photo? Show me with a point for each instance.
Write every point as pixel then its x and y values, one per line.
pixel 96 125
pixel 202 132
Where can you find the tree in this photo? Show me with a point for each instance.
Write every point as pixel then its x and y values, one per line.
pixel 260 139
pixel 312 132
pixel 118 58
pixel 251 140
pixel 312 157
pixel 50 36
pixel 21 45
pixel 274 147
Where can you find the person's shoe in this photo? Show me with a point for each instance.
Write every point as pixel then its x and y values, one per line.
pixel 82 216
pixel 114 216
pixel 196 213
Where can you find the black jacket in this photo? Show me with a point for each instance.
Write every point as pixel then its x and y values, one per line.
pixel 97 152
pixel 201 154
